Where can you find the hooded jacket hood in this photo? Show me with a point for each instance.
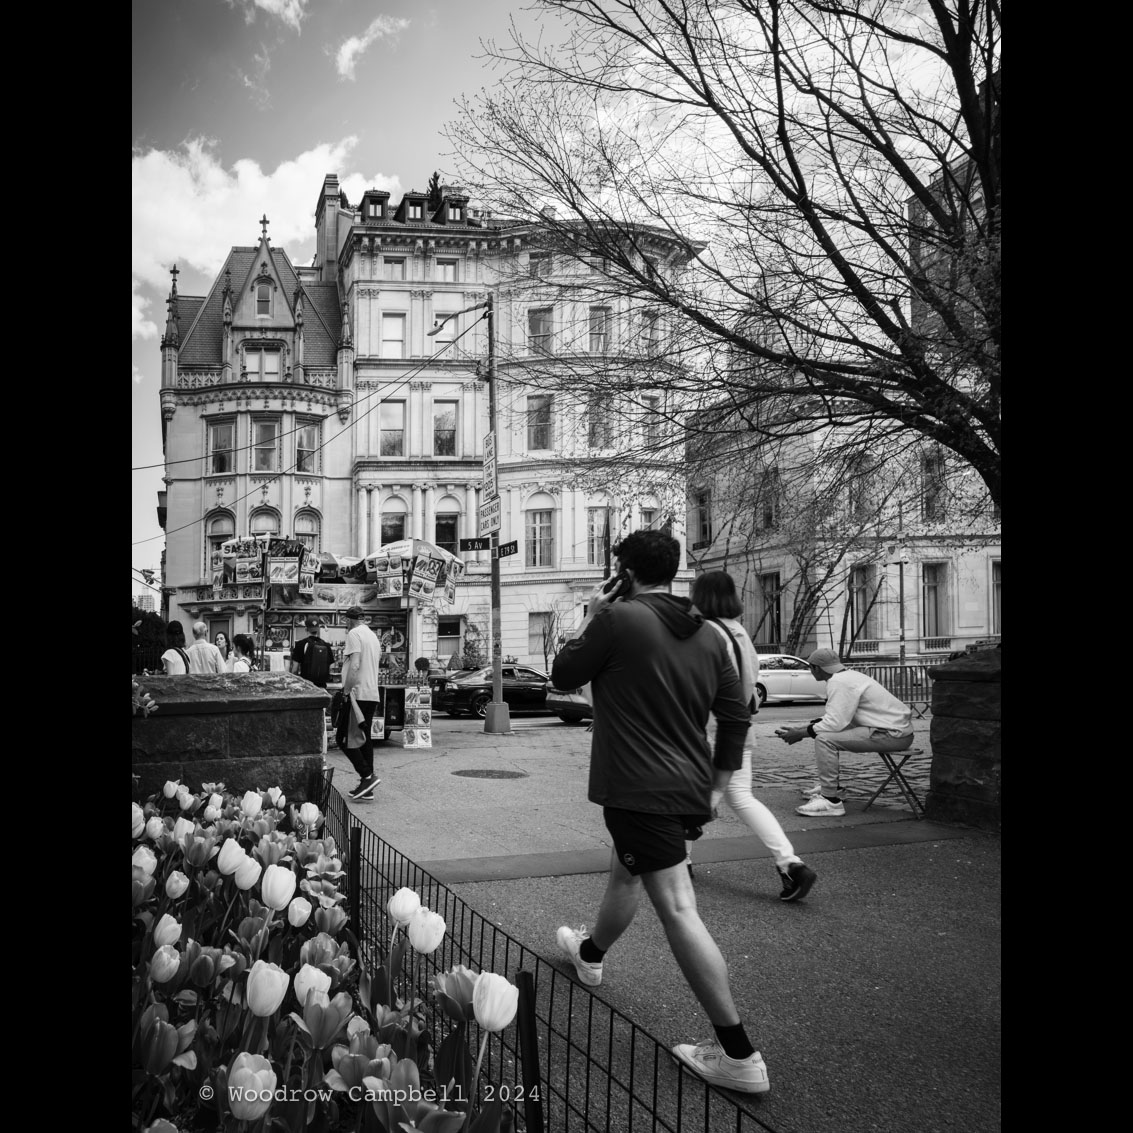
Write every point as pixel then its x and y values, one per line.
pixel 680 617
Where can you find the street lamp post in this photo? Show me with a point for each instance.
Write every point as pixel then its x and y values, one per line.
pixel 900 560
pixel 497 717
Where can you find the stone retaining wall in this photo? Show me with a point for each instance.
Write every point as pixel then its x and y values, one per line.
pixel 255 730
pixel 964 783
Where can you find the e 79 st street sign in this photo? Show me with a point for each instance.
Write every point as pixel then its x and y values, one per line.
pixel 506 549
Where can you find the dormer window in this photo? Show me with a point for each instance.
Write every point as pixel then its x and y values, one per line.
pixel 377 210
pixel 456 212
pixel 415 210
pixel 263 300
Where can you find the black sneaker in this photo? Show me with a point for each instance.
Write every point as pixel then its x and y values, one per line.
pixel 797 881
pixel 366 788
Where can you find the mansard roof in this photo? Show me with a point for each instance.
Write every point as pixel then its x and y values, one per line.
pixel 202 342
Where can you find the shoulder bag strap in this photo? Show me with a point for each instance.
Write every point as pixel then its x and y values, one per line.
pixel 735 645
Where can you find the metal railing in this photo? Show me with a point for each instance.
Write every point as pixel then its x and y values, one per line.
pixel 596 1071
pixel 910 683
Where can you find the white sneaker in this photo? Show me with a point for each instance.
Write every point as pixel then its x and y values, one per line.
pixel 708 1060
pixel 811 792
pixel 570 940
pixel 820 807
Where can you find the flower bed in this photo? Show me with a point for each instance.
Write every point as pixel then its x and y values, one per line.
pixel 253 1006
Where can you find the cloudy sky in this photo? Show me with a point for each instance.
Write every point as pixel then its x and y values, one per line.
pixel 240 107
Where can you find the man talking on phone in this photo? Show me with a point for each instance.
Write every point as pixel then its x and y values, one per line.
pixel 655 675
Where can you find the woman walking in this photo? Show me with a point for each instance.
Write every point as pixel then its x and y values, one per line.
pixel 714 595
pixel 175 661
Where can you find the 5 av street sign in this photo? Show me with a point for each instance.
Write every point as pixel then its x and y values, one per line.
pixel 506 549
pixel 483 544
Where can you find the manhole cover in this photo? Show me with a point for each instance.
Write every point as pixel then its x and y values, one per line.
pixel 492 774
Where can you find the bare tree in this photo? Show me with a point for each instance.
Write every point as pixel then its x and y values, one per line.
pixel 830 171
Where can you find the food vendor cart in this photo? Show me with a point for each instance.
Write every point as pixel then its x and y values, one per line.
pixel 392 585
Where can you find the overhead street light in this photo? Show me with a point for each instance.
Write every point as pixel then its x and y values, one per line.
pixel 497 717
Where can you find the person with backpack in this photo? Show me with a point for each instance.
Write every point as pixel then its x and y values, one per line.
pixel 175 661
pixel 311 657
pixel 714 595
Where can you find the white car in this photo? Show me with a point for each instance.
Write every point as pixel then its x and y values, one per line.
pixel 783 677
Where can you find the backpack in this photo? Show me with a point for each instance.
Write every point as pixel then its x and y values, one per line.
pixel 315 666
pixel 753 704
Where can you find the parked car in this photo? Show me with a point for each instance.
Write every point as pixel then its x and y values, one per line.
pixel 569 705
pixel 525 690
pixel 438 677
pixel 783 677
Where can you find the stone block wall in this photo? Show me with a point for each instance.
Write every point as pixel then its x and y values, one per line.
pixel 965 778
pixel 255 730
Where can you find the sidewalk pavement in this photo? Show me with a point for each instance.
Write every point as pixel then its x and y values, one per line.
pixel 875 1002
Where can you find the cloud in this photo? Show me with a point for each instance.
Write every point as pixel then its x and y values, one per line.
pixel 138 376
pixel 143 327
pixel 189 210
pixel 290 12
pixel 353 48
pixel 256 82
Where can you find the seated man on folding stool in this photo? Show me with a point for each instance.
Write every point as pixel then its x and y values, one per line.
pixel 861 715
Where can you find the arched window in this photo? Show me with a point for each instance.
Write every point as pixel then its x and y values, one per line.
pixel 263 299
pixel 307 530
pixel 218 527
pixel 394 520
pixel 264 521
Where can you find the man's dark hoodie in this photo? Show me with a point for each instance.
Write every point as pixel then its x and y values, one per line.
pixel 656 672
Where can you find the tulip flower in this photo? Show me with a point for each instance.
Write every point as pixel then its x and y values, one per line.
pixel 248 873
pixel 176 884
pixel 154 828
pixel 186 800
pixel 163 967
pixel 494 1001
pixel 330 920
pixel 143 888
pixel 202 847
pixel 308 979
pixel 323 1019
pixel 211 788
pixel 251 1084
pixel 426 930
pixel 309 814
pixel 210 814
pixel 454 992
pixel 216 800
pixel 203 969
pixel 138 821
pixel 364 1058
pixel 252 803
pixel 167 931
pixel 267 985
pixel 182 827
pixel 402 905
pixel 274 794
pixel 160 1126
pixel 231 857
pixel 278 887
pixel 299 912
pixel 145 859
pixel 159 1044
pixel 170 788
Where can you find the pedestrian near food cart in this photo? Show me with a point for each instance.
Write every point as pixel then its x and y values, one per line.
pixel 714 595
pixel 243 648
pixel 360 675
pixel 175 661
pixel 656 672
pixel 226 651
pixel 311 657
pixel 204 657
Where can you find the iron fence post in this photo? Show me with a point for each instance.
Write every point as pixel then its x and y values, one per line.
pixel 529 1053
pixel 354 880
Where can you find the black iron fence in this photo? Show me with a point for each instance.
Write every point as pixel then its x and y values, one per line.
pixel 573 1063
pixel 910 683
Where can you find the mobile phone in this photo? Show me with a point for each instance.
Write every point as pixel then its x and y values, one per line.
pixel 617 586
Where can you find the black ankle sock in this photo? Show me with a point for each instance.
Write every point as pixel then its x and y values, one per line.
pixel 588 952
pixel 735 1042
pixel 836 799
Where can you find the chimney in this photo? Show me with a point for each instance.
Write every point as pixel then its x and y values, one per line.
pixel 326 228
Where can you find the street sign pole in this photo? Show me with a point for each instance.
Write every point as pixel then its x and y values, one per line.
pixel 497 717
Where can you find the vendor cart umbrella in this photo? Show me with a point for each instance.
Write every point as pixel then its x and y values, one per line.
pixel 408 548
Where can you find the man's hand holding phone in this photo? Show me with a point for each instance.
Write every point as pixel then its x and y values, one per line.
pixel 610 591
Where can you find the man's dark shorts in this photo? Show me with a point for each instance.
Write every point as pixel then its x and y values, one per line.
pixel 646 843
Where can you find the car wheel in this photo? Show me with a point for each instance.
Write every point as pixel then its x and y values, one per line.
pixel 761 692
pixel 480 705
pixel 571 717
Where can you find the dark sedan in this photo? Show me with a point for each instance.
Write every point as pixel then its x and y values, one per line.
pixel 525 690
